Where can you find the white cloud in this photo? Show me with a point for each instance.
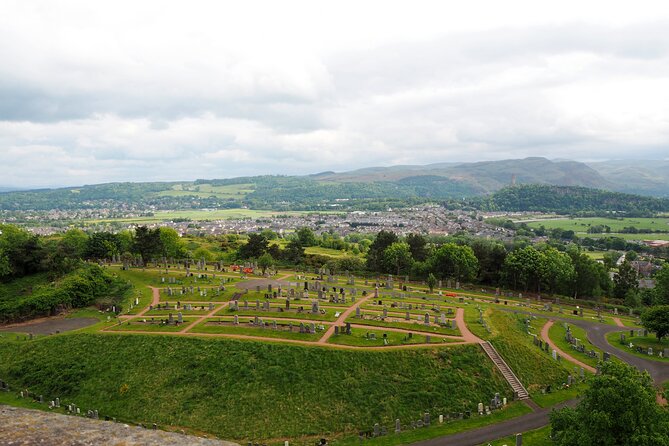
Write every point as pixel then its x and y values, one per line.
pixel 161 91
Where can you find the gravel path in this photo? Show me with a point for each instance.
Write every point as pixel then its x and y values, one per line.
pixel 28 427
pixel 50 325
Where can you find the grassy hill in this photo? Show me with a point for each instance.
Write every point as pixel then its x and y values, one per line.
pixel 249 390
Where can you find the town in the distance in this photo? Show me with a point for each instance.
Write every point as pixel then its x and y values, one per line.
pixel 507 302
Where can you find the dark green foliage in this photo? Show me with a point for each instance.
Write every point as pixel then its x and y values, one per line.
pixel 256 246
pixel 570 200
pixel 78 289
pixel 618 409
pixel 377 249
pixel 20 252
pixel 656 320
pixel 250 390
pixel 625 281
pixel 147 242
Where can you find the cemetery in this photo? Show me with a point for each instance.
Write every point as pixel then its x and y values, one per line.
pixel 253 332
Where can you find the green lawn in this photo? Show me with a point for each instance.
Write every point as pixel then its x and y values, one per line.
pixel 245 329
pixel 247 390
pixel 641 341
pixel 358 337
pixel 412 326
pixel 557 334
pixel 138 325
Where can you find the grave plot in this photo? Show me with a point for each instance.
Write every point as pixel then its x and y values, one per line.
pixel 640 343
pixel 171 323
pixel 183 293
pixel 573 340
pixel 429 321
pixel 282 308
pixel 262 327
pixel 164 309
pixel 177 278
pixel 365 337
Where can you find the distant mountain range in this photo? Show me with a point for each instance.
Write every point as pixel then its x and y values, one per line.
pixel 638 177
pixel 369 188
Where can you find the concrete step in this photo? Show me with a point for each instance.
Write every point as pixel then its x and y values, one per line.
pixel 506 371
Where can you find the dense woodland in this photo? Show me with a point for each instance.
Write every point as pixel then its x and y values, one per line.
pixel 569 200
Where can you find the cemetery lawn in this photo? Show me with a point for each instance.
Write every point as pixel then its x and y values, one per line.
pixel 244 329
pixel 273 314
pixel 538 437
pixel 358 338
pixel 247 390
pixel 138 325
pixel 641 341
pixel 410 326
pixel 559 394
pixel 557 335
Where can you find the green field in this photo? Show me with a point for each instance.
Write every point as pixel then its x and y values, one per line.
pixel 580 226
pixel 230 191
pixel 249 390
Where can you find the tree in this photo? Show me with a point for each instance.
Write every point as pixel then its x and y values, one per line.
pixel 22 250
pixel 417 243
pixel 265 261
pixel 147 242
pixel 73 244
pixel 625 280
pixel 306 237
pixel 522 268
pixel 431 282
pixel 377 248
pixel 172 246
pixel 203 253
pixel 656 320
pixel 294 252
pixel 451 260
pixel 255 246
pixel 5 267
pixel 556 270
pixel 397 258
pixel 491 255
pixel 662 285
pixel 619 408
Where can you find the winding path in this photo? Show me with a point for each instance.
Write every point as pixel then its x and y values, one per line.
pixel 567 356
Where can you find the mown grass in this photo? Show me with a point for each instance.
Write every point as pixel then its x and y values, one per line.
pixel 244 328
pixel 557 334
pixel 411 326
pixel 249 390
pixel 358 337
pixel 641 341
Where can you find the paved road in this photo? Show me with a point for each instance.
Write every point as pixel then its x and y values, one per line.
pixel 658 370
pixel 525 423
pixel 597 332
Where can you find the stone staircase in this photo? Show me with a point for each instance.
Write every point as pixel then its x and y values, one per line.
pixel 519 391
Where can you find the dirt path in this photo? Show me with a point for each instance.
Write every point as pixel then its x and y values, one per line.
pixel 467 335
pixel 50 325
pixel 154 302
pixel 342 319
pixel 618 322
pixel 568 357
pixel 286 341
pixel 202 318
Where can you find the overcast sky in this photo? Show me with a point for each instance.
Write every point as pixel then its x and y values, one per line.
pixel 102 91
